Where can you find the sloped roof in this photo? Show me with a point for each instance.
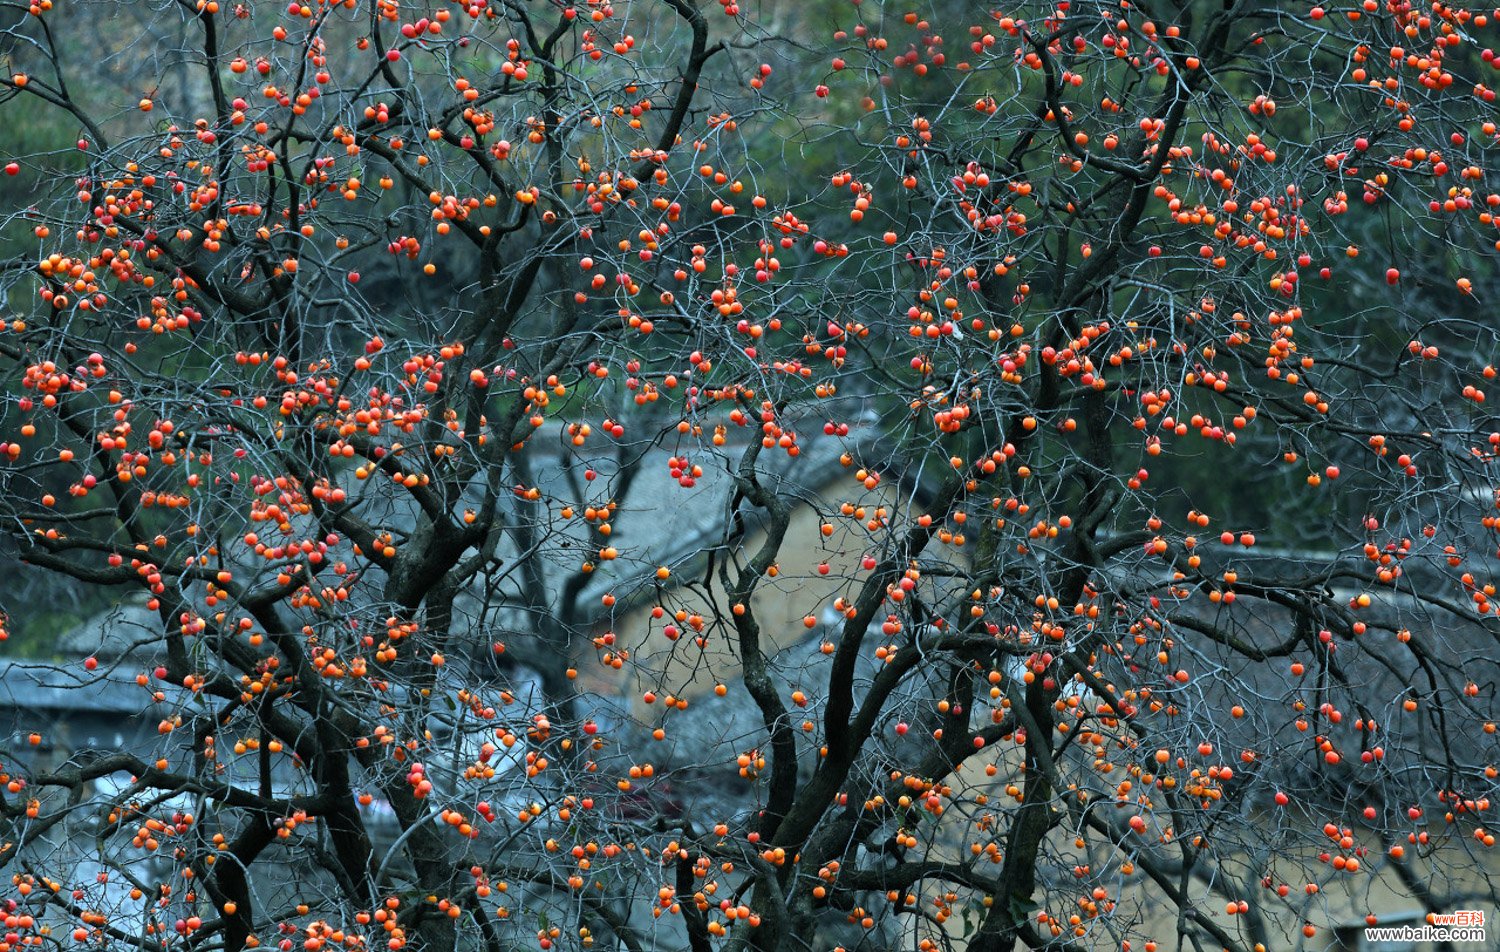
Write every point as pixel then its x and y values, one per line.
pixel 129 628
pixel 33 686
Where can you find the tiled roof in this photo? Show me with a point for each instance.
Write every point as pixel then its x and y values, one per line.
pixel 36 686
pixel 127 628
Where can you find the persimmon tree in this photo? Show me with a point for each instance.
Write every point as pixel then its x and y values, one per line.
pixel 1127 360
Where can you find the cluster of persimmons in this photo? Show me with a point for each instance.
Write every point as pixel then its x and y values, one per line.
pixel 1048 258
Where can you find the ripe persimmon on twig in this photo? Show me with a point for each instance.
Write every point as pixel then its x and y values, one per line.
pixel 644 474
